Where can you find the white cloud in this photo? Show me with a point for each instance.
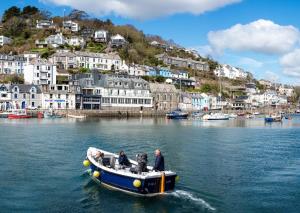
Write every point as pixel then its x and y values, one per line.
pixel 205 50
pixel 250 62
pixel 261 36
pixel 143 9
pixel 290 63
pixel 271 76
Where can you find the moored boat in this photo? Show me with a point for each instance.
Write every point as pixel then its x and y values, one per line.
pixel 19 114
pixel 111 174
pixel 177 114
pixel 50 114
pixel 215 116
pixel 76 116
pixel 273 118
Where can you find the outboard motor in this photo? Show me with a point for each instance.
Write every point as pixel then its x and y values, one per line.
pixel 142 161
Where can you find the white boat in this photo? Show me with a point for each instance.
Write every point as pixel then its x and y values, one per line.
pixel 233 116
pixel 110 173
pixel 76 116
pixel 215 116
pixel 256 113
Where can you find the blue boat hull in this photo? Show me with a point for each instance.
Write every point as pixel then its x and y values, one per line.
pixel 149 186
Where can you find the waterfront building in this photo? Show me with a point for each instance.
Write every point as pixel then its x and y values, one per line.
pixel 5 97
pixel 165 96
pixel 195 102
pixel 40 72
pixel 71 25
pixel 12 64
pixel 103 90
pixel 182 62
pixel 117 41
pixel 101 36
pixel 76 41
pixel 5 40
pixel 45 24
pixel 58 97
pixel 25 96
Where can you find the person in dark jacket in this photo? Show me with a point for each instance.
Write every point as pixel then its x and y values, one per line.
pixel 123 160
pixel 159 161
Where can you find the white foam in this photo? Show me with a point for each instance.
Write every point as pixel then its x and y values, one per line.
pixel 189 196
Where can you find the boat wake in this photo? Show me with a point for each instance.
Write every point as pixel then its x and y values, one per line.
pixel 189 196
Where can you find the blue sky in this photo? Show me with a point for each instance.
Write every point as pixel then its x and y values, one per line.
pixel 190 24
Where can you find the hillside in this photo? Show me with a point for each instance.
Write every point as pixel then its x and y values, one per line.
pixel 20 25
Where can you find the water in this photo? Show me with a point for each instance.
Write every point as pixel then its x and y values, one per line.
pixel 224 166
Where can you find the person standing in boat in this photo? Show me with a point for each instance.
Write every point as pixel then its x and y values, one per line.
pixel 159 161
pixel 123 160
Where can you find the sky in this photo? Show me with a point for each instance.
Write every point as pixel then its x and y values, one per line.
pixel 260 36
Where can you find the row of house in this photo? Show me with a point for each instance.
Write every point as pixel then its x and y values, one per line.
pixel 230 72
pixel 182 62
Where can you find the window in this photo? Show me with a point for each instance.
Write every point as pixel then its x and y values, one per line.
pixel 128 101
pixel 121 100
pixel 16 89
pixel 38 67
pixel 135 101
pixel 141 101
pixel 51 96
pixel 38 75
pixel 32 96
pixel 58 105
pixel 24 96
pixel 67 105
pixel 32 104
pixel 49 75
pixel 114 100
pixel 51 105
pixel 49 68
pixel 15 96
pixel 58 96
pixel 67 96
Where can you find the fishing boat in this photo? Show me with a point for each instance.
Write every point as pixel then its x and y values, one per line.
pixel 177 114
pixel 273 118
pixel 215 116
pixel 111 174
pixel 19 114
pixel 197 114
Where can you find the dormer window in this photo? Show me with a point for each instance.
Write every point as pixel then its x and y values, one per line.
pixel 16 89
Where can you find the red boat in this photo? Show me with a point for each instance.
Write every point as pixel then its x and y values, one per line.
pixel 19 114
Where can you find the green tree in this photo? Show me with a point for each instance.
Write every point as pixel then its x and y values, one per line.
pixel 11 12
pixel 29 11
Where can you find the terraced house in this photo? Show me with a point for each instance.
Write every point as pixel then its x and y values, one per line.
pixel 25 96
pixel 12 64
pixel 182 62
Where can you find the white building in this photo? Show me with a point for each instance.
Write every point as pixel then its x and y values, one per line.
pixel 286 90
pixel 12 64
pixel 269 98
pixel 71 25
pixel 137 70
pixel 5 40
pixel 58 97
pixel 76 41
pixel 45 24
pixel 117 41
pixel 122 91
pixel 99 61
pixel 56 40
pixel 101 36
pixel 25 96
pixel 40 72
pixel 230 72
pixel 64 60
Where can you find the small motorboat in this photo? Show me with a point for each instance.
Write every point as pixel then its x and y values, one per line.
pixel 177 114
pixel 111 174
pixel 19 114
pixel 76 116
pixel 233 116
pixel 273 118
pixel 215 116
pixel 197 114
pixel 50 114
pixel 5 114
